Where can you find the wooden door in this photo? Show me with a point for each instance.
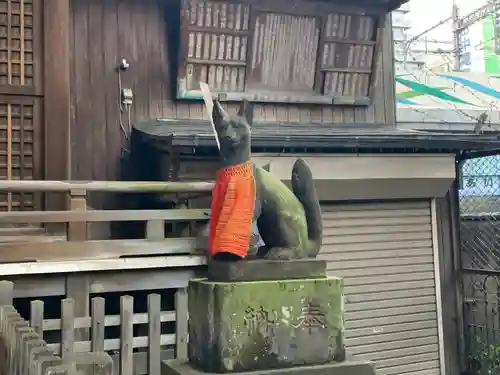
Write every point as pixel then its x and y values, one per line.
pixel 21 96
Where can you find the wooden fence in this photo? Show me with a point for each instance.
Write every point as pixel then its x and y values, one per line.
pixel 24 352
pixel 83 327
pixel 77 253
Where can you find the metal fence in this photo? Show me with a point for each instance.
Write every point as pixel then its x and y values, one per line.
pixel 479 202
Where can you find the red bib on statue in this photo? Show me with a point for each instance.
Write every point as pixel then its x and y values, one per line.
pixel 233 204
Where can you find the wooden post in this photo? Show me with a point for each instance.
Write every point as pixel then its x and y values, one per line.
pixel 29 341
pixel 126 335
pixel 77 285
pixel 9 153
pixel 57 95
pixel 6 293
pixel 98 327
pixel 36 317
pixel 154 334
pixel 77 231
pixel 13 333
pixel 67 329
pixel 155 230
pixel 78 289
pixel 21 333
pixel 181 324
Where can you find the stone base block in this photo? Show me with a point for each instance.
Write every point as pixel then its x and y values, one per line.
pixel 176 367
pixel 262 269
pixel 260 325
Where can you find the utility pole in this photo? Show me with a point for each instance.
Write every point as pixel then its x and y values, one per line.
pixel 407 43
pixel 418 36
pixel 459 25
pixel 456 38
pixel 462 23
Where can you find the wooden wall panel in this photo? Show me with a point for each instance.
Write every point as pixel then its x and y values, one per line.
pixel 284 53
pixel 347 56
pixel 217 43
pixel 20 147
pixel 278 52
pixel 20 47
pixel 21 104
pixel 103 32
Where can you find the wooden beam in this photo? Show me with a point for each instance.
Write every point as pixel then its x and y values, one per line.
pixel 56 26
pixel 94 250
pixel 100 265
pixel 107 186
pixel 35 217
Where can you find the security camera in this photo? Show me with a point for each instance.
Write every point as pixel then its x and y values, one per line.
pixel 124 65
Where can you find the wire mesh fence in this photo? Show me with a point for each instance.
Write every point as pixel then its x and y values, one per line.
pixel 482 323
pixel 479 201
pixel 480 213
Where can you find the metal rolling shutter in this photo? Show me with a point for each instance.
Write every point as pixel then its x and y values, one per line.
pixel 384 251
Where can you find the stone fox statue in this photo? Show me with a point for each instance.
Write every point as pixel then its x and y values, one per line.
pixel 289 221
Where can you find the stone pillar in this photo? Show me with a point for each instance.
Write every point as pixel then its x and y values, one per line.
pixel 265 317
pixel 255 325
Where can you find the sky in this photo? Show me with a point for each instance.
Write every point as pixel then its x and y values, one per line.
pixel 426 13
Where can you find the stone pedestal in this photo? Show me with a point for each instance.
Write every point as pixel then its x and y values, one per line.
pixel 261 325
pixel 265 270
pixel 175 367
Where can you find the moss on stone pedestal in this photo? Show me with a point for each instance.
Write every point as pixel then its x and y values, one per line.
pixel 244 326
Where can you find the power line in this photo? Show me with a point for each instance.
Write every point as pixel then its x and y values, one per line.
pixel 462 23
pixel 474 16
pixel 455 108
pixel 459 24
pixel 490 104
pixel 416 37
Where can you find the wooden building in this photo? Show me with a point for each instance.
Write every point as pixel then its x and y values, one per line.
pixel 60 105
pixel 321 74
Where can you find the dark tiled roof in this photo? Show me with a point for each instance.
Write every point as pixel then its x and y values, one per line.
pixel 388 5
pixel 392 4
pixel 192 133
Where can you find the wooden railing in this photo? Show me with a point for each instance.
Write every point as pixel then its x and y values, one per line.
pixel 76 255
pixel 105 186
pixel 78 246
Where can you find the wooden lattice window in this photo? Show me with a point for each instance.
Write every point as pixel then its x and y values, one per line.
pixel 18 153
pixel 257 51
pixel 17 42
pixel 217 43
pixel 20 101
pixel 347 55
pixel 284 53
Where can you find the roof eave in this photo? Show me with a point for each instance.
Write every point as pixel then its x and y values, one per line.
pixel 386 5
pixel 349 143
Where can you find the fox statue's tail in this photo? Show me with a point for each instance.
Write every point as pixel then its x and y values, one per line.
pixel 305 191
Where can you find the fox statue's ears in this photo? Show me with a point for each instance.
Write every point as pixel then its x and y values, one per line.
pixel 246 111
pixel 219 114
